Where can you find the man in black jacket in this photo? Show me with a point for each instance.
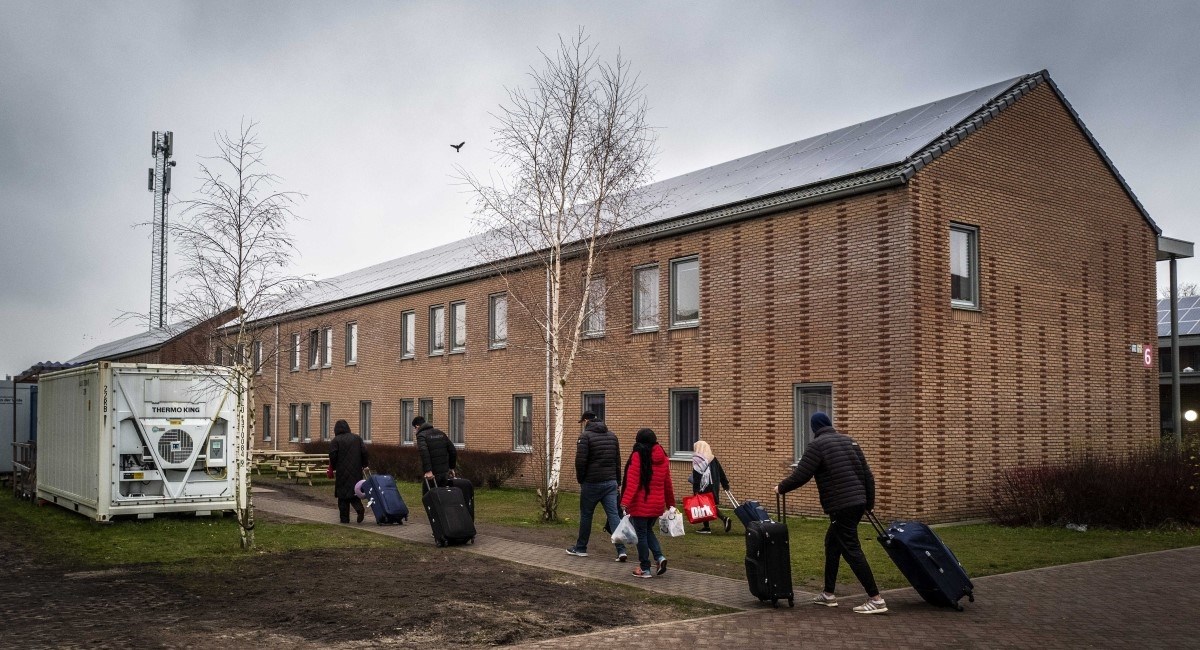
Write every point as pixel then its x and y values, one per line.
pixel 598 470
pixel 847 490
pixel 438 454
pixel 348 458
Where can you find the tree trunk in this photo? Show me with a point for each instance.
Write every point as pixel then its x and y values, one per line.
pixel 245 502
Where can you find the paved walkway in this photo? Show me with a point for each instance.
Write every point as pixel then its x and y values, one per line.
pixel 1140 601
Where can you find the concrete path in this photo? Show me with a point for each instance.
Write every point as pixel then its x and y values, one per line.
pixel 1143 601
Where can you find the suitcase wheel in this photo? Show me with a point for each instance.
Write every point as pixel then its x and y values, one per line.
pixel 775 603
pixel 791 601
pixel 971 597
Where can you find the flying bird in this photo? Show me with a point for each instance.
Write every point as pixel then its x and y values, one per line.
pixel 458 147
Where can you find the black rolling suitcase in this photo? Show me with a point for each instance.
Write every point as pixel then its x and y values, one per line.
pixel 769 557
pixel 468 490
pixel 449 517
pixel 927 563
pixel 384 499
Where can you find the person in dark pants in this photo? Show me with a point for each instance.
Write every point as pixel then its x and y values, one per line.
pixel 438 455
pixel 847 490
pixel 647 493
pixel 348 458
pixel 598 470
pixel 707 476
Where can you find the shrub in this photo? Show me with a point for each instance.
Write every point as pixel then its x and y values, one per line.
pixel 489 468
pixel 402 462
pixel 1148 488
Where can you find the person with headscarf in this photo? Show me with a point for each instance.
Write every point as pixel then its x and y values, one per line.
pixel 647 493
pixel 847 490
pixel 707 475
pixel 348 458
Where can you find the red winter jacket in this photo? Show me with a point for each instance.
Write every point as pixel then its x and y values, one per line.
pixel 662 493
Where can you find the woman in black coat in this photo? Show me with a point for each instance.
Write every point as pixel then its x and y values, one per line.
pixel 707 475
pixel 348 458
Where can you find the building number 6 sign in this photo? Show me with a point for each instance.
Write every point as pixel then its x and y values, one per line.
pixel 1147 356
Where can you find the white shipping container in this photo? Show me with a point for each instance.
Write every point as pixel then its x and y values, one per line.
pixel 137 439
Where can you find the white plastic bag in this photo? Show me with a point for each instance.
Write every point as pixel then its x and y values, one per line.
pixel 625 532
pixel 671 522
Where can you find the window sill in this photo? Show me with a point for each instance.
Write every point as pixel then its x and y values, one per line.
pixel 680 456
pixel 965 307
pixel 459 351
pixel 646 330
pixel 593 335
pixel 685 326
pixel 523 450
pixel 351 363
pixel 327 366
pixel 437 354
pixel 407 443
pixel 460 445
pixel 497 346
pixel 408 357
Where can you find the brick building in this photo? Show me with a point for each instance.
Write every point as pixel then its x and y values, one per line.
pixel 958 283
pixel 182 343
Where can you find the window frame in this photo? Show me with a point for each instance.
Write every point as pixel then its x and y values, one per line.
pixel 219 355
pixel 673 293
pixel 440 310
pixel 352 343
pixel 972 233
pixel 408 411
pixel 424 412
pixel 364 420
pixel 588 396
pixel 457 426
pixel 295 351
pixel 452 327
pixel 314 349
pixel 494 341
pixel 294 422
pixel 267 435
pixel 408 334
pixel 256 356
pixel 305 422
pixel 637 300
pixel 597 309
pixel 327 347
pixel 801 433
pixel 324 420
pixel 675 452
pixel 516 433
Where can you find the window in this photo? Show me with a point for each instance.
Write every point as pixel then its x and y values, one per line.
pixel 239 354
pixel 295 352
pixel 219 356
pixel 427 410
pixel 305 412
pixel 685 292
pixel 523 422
pixel 267 424
pixel 685 421
pixel 809 399
pixel 594 322
pixel 364 420
pixel 327 348
pixel 314 348
pixel 256 357
pixel 351 343
pixel 964 266
pixel 458 421
pixel 594 402
pixel 324 420
pixel 406 418
pixel 458 329
pixel 497 320
pixel 294 424
pixel 645 299
pixel 437 330
pixel 408 335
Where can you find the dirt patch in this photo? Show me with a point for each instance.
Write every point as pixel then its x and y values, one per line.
pixel 404 596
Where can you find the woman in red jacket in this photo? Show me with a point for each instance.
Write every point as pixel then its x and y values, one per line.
pixel 647 493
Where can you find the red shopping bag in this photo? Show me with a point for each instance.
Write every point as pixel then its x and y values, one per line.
pixel 700 508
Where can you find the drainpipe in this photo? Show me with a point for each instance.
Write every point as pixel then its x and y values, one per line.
pixel 275 438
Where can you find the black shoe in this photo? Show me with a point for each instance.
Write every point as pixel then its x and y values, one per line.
pixel 361 514
pixel 728 523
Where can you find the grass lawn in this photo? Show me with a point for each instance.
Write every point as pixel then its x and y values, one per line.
pixel 983 549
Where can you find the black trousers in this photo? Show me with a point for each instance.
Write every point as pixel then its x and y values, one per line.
pixel 344 508
pixel 841 541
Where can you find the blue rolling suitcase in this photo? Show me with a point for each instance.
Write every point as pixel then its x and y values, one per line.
pixel 749 511
pixel 384 498
pixel 924 559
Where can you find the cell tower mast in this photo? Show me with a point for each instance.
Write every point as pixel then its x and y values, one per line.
pixel 160 183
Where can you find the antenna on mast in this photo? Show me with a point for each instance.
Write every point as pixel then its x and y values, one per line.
pixel 161 148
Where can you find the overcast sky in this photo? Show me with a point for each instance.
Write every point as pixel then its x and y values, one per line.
pixel 358 102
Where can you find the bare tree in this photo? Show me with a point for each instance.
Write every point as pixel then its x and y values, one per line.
pixel 235 250
pixel 1186 290
pixel 576 150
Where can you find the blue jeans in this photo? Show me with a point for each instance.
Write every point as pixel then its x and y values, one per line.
pixel 591 495
pixel 647 541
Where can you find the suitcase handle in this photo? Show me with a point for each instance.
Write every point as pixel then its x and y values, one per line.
pixel 734 501
pixel 431 483
pixel 880 531
pixel 781 507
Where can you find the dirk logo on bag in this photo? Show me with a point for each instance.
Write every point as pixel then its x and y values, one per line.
pixel 702 510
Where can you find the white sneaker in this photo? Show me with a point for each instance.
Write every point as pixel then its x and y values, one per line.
pixel 822 599
pixel 872 607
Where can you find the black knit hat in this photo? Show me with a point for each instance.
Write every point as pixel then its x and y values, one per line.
pixel 587 416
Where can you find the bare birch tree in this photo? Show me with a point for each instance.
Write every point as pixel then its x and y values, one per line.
pixel 575 149
pixel 235 250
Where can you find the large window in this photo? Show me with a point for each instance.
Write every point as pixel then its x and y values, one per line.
pixel 427 410
pixel 295 352
pixel 809 399
pixel 685 292
pixel 645 299
pixel 458 326
pixel 327 348
pixel 497 320
pixel 523 422
pixel 324 420
pixel 219 355
pixel 685 421
pixel 267 423
pixel 364 420
pixel 594 323
pixel 594 402
pixel 408 335
pixel 437 330
pixel 964 266
pixel 406 418
pixel 458 421
pixel 256 357
pixel 314 348
pixel 305 414
pixel 294 422
pixel 351 343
